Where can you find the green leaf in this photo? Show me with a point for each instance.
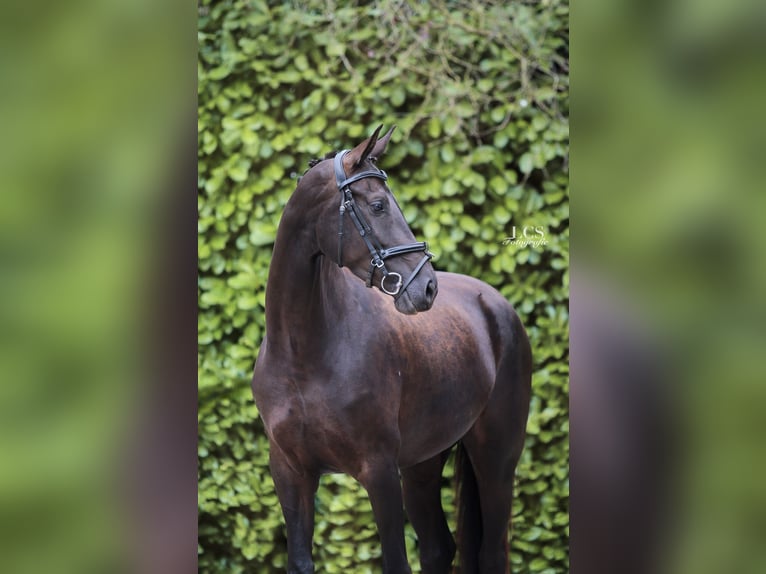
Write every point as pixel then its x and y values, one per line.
pixel 497 115
pixel 262 234
pixel 469 224
pixel 434 127
pixel 397 96
pixel 480 249
pixel 525 163
pixel 239 171
pixel 218 73
pixel 431 229
pixel 332 102
pixel 335 49
pixel 301 62
pixel 451 125
pixel 226 209
pixel 450 187
pixel 498 184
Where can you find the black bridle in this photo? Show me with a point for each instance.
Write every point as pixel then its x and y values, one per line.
pixel 379 255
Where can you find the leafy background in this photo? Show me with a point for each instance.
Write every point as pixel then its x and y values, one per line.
pixel 479 94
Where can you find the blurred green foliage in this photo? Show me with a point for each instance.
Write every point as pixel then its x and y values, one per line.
pixel 90 122
pixel 479 92
pixel 670 217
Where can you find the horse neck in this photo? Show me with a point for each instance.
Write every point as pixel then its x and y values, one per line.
pixel 304 294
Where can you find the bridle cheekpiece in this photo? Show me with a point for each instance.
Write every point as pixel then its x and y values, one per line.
pixel 391 283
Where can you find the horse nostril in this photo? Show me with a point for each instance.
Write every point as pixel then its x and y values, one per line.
pixel 430 292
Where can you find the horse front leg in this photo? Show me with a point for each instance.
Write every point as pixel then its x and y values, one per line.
pixel 381 481
pixel 296 491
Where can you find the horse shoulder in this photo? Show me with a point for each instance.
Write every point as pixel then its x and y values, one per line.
pixel 487 312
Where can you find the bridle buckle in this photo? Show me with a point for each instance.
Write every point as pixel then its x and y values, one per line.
pixel 398 286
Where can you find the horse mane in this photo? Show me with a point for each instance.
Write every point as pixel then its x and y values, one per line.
pixel 316 160
pixel 330 155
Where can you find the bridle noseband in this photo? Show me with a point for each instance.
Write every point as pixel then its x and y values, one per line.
pixel 379 255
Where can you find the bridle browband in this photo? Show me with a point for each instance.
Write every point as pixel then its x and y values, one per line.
pixel 379 255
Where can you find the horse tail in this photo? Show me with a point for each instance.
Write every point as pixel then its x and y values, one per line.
pixel 469 528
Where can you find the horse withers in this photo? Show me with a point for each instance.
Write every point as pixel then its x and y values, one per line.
pixel 380 383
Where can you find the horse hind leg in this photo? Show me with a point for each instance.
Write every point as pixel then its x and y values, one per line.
pixel 296 496
pixel 493 474
pixel 422 500
pixel 494 446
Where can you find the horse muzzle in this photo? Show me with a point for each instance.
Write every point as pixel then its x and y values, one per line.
pixel 418 297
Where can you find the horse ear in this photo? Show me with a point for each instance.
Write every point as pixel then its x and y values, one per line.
pixel 356 156
pixel 380 146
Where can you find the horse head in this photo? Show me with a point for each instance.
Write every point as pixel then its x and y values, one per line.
pixel 360 226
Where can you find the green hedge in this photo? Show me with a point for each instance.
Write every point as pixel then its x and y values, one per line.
pixel 479 92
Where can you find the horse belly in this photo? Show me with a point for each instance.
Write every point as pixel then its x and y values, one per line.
pixel 442 411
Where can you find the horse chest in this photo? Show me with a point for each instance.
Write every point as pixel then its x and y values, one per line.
pixel 322 421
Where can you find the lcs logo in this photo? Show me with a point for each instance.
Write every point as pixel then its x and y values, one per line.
pixel 527 235
pixel 527 232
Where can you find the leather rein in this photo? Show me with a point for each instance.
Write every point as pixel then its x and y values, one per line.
pixel 391 283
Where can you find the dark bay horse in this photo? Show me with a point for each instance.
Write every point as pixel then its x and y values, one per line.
pixel 381 383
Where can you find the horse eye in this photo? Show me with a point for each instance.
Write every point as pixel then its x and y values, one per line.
pixel 377 206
